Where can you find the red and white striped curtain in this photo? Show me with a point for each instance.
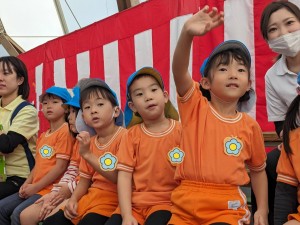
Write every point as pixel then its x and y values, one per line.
pixel 146 35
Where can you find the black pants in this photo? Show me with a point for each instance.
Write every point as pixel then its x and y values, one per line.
pixel 272 161
pixel 160 217
pixel 89 219
pixel 10 186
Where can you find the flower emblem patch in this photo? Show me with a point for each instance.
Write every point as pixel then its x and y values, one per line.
pixel 233 146
pixel 46 151
pixel 108 162
pixel 176 156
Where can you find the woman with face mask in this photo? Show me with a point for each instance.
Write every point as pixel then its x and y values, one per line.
pixel 280 27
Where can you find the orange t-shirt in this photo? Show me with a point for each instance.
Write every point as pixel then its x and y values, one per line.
pixel 217 149
pixel 49 147
pixel 146 155
pixel 288 168
pixel 88 172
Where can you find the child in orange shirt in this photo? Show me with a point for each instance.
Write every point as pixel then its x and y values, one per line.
pixel 217 141
pixel 95 196
pixel 288 168
pixel 47 205
pixel 147 154
pixel 53 154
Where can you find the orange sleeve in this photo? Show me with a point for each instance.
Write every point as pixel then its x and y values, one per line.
pixel 126 154
pixel 258 152
pixel 85 170
pixel 191 104
pixel 64 144
pixel 287 168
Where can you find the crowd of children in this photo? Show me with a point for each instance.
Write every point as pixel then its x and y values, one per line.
pixel 164 169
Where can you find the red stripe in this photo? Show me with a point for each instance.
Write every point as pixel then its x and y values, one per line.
pixel 97 63
pixel 126 65
pixel 71 71
pixel 263 61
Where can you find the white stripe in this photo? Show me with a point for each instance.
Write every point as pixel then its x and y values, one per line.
pixel 83 65
pixel 38 84
pixel 60 73
pixel 239 25
pixel 244 206
pixel 176 25
pixel 143 49
pixel 111 66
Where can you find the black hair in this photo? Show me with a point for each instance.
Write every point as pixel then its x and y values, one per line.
pixel 225 58
pixel 12 63
pixel 290 123
pixel 273 7
pixel 95 90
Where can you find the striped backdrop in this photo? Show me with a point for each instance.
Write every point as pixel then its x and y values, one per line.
pixel 146 35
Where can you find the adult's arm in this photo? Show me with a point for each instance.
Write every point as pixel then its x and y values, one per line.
pixel 285 202
pixel 9 141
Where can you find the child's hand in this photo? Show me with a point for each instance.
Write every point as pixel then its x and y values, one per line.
pixel 71 209
pixel 28 191
pixel 204 21
pixel 129 220
pixel 47 208
pixel 84 139
pixel 63 193
pixel 260 218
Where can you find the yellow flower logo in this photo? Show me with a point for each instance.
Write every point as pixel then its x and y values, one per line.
pixel 46 151
pixel 176 155
pixel 233 146
pixel 108 162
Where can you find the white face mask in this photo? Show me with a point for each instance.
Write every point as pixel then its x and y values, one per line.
pixel 288 44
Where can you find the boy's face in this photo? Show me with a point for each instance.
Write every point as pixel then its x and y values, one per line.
pixel 98 112
pixel 147 98
pixel 227 82
pixel 52 107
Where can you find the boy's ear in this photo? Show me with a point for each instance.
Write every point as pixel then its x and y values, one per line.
pixel 166 96
pixel 132 107
pixel 117 111
pixel 205 83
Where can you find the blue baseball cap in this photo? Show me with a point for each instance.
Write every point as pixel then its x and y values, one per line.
pixel 96 82
pixel 74 101
pixel 58 91
pixel 132 118
pixel 223 47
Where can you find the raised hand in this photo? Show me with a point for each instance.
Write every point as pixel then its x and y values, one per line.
pixel 204 21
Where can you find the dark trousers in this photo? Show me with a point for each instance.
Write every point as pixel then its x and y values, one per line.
pixel 89 219
pixel 272 160
pixel 10 186
pixel 160 217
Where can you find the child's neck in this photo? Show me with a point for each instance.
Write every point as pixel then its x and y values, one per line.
pixel 227 109
pixel 104 135
pixel 55 125
pixel 158 125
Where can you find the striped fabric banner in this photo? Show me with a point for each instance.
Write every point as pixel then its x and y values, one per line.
pixel 146 35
